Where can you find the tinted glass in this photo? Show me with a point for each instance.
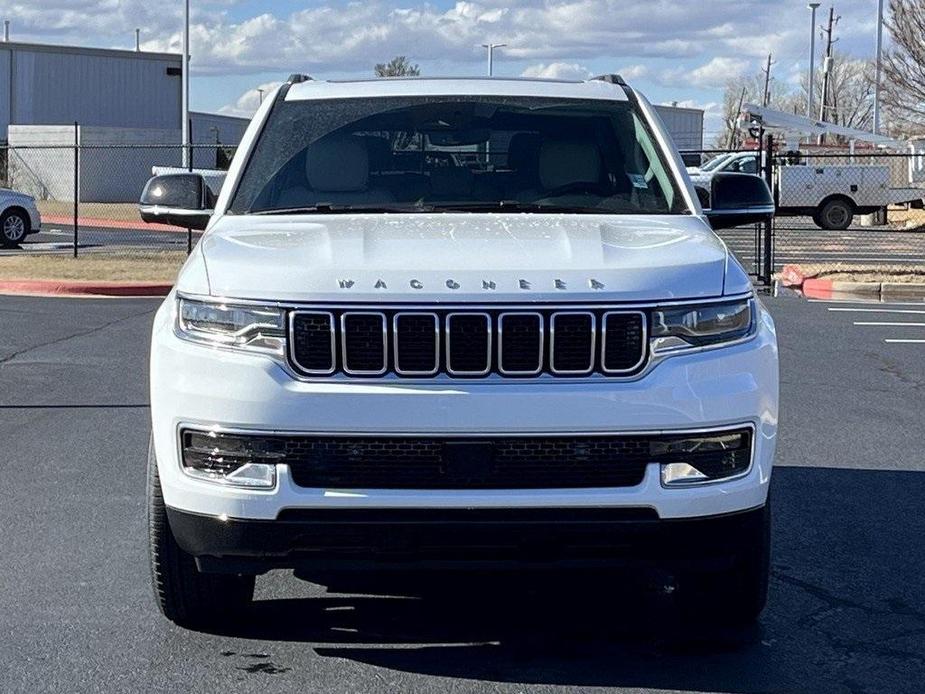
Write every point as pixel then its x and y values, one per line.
pixel 457 153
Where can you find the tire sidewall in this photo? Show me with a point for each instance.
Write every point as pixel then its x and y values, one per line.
pixel 6 241
pixel 843 214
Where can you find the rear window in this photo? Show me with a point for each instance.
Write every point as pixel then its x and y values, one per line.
pixel 457 153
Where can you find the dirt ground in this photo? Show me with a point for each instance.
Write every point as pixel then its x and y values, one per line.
pixel 116 211
pixel 151 266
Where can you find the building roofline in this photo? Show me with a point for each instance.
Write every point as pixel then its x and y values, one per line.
pixel 86 50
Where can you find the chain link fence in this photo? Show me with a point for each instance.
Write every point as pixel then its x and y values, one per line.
pixel 837 210
pixel 87 195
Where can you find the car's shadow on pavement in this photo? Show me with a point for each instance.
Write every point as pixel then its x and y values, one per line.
pixel 844 615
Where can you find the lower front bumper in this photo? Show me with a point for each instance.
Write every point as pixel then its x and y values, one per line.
pixel 470 537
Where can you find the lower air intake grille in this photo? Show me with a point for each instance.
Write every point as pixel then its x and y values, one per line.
pixel 476 462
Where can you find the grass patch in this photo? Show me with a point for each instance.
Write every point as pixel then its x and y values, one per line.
pixel 152 266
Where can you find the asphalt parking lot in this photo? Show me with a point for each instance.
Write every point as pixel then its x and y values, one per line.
pixel 846 612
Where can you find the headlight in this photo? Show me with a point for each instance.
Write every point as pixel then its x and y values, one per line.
pixel 683 327
pixel 253 328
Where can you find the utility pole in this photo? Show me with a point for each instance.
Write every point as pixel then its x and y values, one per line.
pixel 767 83
pixel 491 53
pixel 879 66
pixel 184 127
pixel 812 59
pixel 827 65
pixel 734 127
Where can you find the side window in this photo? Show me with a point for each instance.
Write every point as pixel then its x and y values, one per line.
pixel 749 165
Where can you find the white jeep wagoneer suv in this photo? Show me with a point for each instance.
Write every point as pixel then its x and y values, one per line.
pixel 436 320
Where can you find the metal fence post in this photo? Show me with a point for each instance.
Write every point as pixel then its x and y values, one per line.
pixel 768 250
pixel 76 184
pixel 189 159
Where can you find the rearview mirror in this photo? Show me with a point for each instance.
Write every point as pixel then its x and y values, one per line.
pixel 182 200
pixel 737 199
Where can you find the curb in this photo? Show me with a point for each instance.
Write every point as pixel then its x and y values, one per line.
pixel 69 288
pixel 817 288
pixel 100 223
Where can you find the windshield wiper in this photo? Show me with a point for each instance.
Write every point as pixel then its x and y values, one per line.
pixel 329 208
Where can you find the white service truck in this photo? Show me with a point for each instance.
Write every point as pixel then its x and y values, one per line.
pixel 830 189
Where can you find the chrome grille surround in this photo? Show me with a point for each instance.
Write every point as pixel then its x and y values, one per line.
pixel 448 345
pixel 552 343
pixel 542 346
pixel 645 340
pixel 395 344
pixel 345 316
pixel 586 341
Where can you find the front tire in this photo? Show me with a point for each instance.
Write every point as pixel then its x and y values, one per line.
pixel 737 595
pixel 14 226
pixel 836 214
pixel 185 595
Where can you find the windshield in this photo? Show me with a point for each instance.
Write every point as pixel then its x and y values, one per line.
pixel 456 153
pixel 715 162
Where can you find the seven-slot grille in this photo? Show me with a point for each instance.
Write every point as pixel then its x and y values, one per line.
pixel 468 343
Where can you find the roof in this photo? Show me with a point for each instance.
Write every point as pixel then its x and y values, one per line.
pixel 455 86
pixel 83 50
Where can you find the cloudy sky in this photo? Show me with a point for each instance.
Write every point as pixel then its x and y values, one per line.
pixel 676 50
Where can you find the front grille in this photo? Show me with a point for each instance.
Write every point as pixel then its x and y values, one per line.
pixel 512 462
pixel 513 342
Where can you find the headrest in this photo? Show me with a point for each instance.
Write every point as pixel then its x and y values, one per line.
pixel 337 164
pixel 523 152
pixel 568 161
pixel 451 182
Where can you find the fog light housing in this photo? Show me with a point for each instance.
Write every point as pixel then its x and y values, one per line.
pixel 695 459
pixel 233 460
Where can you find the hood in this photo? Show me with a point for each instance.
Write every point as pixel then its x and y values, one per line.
pixel 463 257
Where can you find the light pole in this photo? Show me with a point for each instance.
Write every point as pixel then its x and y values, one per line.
pixel 185 127
pixel 813 6
pixel 260 94
pixel 879 64
pixel 491 52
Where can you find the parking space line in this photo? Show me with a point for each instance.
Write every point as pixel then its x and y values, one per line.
pixel 896 341
pixel 876 310
pixel 893 324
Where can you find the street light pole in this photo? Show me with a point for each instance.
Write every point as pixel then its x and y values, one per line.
pixel 813 6
pixel 879 65
pixel 185 126
pixel 491 51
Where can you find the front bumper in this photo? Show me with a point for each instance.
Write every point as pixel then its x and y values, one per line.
pixel 201 387
pixel 494 538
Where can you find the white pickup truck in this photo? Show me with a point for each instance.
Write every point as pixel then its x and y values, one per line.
pixel 381 353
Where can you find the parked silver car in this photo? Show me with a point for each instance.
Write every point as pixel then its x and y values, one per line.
pixel 19 217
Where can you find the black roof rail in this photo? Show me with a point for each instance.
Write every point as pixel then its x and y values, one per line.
pixel 296 78
pixel 612 78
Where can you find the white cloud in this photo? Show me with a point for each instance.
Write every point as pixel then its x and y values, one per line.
pixel 705 42
pixel 711 75
pixel 246 105
pixel 558 71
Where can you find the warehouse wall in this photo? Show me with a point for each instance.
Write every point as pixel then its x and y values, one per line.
pixel 684 124
pixel 51 85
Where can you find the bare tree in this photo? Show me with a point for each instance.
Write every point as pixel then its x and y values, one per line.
pixel 851 91
pixel 904 67
pixel 781 98
pixel 398 66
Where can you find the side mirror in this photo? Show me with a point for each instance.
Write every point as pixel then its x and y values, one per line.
pixel 737 199
pixel 182 200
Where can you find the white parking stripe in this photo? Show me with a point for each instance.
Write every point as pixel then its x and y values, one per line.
pixel 904 342
pixel 885 304
pixel 893 324
pixel 876 310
